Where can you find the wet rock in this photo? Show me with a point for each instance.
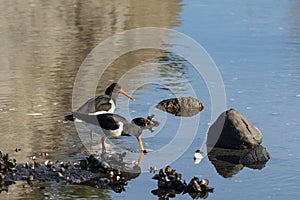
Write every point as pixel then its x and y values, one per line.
pixel 255 158
pixel 196 185
pixel 83 164
pixel 42 187
pixel 30 179
pixel 183 106
pixel 198 188
pixel 17 149
pixel 169 184
pixel 43 154
pixel 152 169
pixel 232 130
pixel 48 163
pixel 169 179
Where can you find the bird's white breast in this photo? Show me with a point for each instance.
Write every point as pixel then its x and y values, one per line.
pixel 114 133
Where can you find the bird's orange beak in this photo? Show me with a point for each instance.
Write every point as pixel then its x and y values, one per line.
pixel 127 95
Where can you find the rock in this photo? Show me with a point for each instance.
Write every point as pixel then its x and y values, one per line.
pixel 255 157
pixel 183 106
pixel 232 130
pixel 198 188
pixel 169 184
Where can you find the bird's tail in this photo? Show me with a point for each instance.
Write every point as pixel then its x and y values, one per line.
pixel 69 117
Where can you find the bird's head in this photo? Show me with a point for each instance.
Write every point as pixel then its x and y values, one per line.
pixel 114 89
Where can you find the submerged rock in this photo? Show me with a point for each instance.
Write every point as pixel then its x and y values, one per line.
pixel 182 106
pixel 232 130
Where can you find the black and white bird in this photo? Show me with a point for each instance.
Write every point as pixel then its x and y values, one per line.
pixel 101 104
pixel 113 125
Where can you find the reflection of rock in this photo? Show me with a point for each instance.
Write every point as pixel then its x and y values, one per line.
pixel 236 132
pixel 255 158
pixel 183 106
pixel 226 161
pixel 229 162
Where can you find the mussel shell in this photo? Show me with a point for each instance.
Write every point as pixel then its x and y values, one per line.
pixel 204 182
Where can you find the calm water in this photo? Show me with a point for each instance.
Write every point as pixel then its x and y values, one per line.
pixel 256 46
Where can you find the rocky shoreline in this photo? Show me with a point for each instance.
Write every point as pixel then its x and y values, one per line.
pixel 107 172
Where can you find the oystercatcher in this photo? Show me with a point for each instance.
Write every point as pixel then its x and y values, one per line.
pixel 101 104
pixel 113 125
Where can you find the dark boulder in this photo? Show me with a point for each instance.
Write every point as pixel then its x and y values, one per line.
pixel 232 130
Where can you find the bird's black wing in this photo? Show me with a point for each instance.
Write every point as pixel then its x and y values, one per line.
pixel 103 107
pixel 109 121
pixel 106 121
pixel 102 103
pixel 99 103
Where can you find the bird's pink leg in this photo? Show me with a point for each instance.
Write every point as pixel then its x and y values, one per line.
pixel 103 144
pixel 91 135
pixel 140 159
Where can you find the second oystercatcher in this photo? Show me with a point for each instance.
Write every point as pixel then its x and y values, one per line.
pixel 101 104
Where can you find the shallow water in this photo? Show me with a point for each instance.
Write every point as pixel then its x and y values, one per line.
pixel 256 46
